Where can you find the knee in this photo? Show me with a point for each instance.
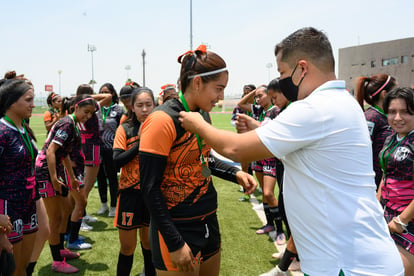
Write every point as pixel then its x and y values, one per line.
pixel 81 202
pixel 268 196
pixel 146 244
pixel 128 249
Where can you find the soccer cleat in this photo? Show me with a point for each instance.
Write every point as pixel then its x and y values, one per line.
pixel 103 209
pixel 276 271
pixel 265 229
pixel 112 211
pixel 258 207
pixel 67 254
pixel 85 227
pixel 278 255
pixel 280 239
pixel 79 245
pixel 63 267
pixel 89 218
pixel 67 236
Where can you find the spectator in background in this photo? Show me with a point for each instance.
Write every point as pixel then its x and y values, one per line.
pixel 397 159
pixel 52 115
pixel 246 167
pixel 168 92
pixel 132 214
pixel 237 110
pixel 373 90
pixel 125 97
pixel 91 144
pixel 108 174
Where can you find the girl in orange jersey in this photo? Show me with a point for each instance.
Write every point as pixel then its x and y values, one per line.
pixel 131 211
pixel 51 116
pixel 176 168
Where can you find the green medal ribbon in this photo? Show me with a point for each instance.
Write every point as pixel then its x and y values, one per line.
pixel 379 109
pixel 205 170
pixel 106 113
pixel 77 131
pixel 384 159
pixel 285 106
pixel 26 138
pixel 76 128
pixel 261 118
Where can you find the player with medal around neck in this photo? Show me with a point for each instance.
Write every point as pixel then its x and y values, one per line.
pixel 203 96
pixel 17 182
pixel 184 197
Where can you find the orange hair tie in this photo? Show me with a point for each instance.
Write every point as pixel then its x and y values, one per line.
pixel 202 48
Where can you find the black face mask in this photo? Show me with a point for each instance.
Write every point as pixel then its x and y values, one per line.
pixel 288 88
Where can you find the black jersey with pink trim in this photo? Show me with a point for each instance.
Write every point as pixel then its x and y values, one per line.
pixel 257 111
pixel 16 165
pixel 271 113
pixel 64 134
pixel 91 131
pixel 379 130
pixel 401 160
pixel 398 189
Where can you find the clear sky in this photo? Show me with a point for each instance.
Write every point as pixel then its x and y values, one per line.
pixel 39 38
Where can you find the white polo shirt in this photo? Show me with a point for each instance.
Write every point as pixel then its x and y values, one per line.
pixel 329 190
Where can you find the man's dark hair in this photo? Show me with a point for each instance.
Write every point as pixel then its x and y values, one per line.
pixel 309 44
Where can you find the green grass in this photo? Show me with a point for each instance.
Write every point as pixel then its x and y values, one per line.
pixel 243 252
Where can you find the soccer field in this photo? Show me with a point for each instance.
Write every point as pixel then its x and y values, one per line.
pixel 243 252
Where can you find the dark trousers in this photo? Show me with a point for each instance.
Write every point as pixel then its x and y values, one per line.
pixel 107 174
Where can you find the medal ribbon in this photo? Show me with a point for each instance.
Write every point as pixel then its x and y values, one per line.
pixel 379 109
pixel 106 113
pixel 384 159
pixel 264 113
pixel 77 131
pixel 199 139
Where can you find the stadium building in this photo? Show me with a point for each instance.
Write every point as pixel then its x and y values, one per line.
pixel 394 57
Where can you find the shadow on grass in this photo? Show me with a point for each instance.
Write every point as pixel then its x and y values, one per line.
pixel 82 265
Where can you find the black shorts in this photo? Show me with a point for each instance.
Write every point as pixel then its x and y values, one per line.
pixel 266 166
pixel 203 237
pixel 92 154
pixel 23 217
pixel 131 212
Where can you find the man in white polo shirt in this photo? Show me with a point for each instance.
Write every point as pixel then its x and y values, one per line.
pixel 324 144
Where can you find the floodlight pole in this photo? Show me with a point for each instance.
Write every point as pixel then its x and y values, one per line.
pixel 143 67
pixel 191 24
pixel 92 48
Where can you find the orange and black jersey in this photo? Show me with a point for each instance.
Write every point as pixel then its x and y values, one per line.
pixel 174 188
pixel 126 145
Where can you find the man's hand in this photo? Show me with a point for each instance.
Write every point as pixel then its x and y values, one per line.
pixel 245 123
pixel 191 121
